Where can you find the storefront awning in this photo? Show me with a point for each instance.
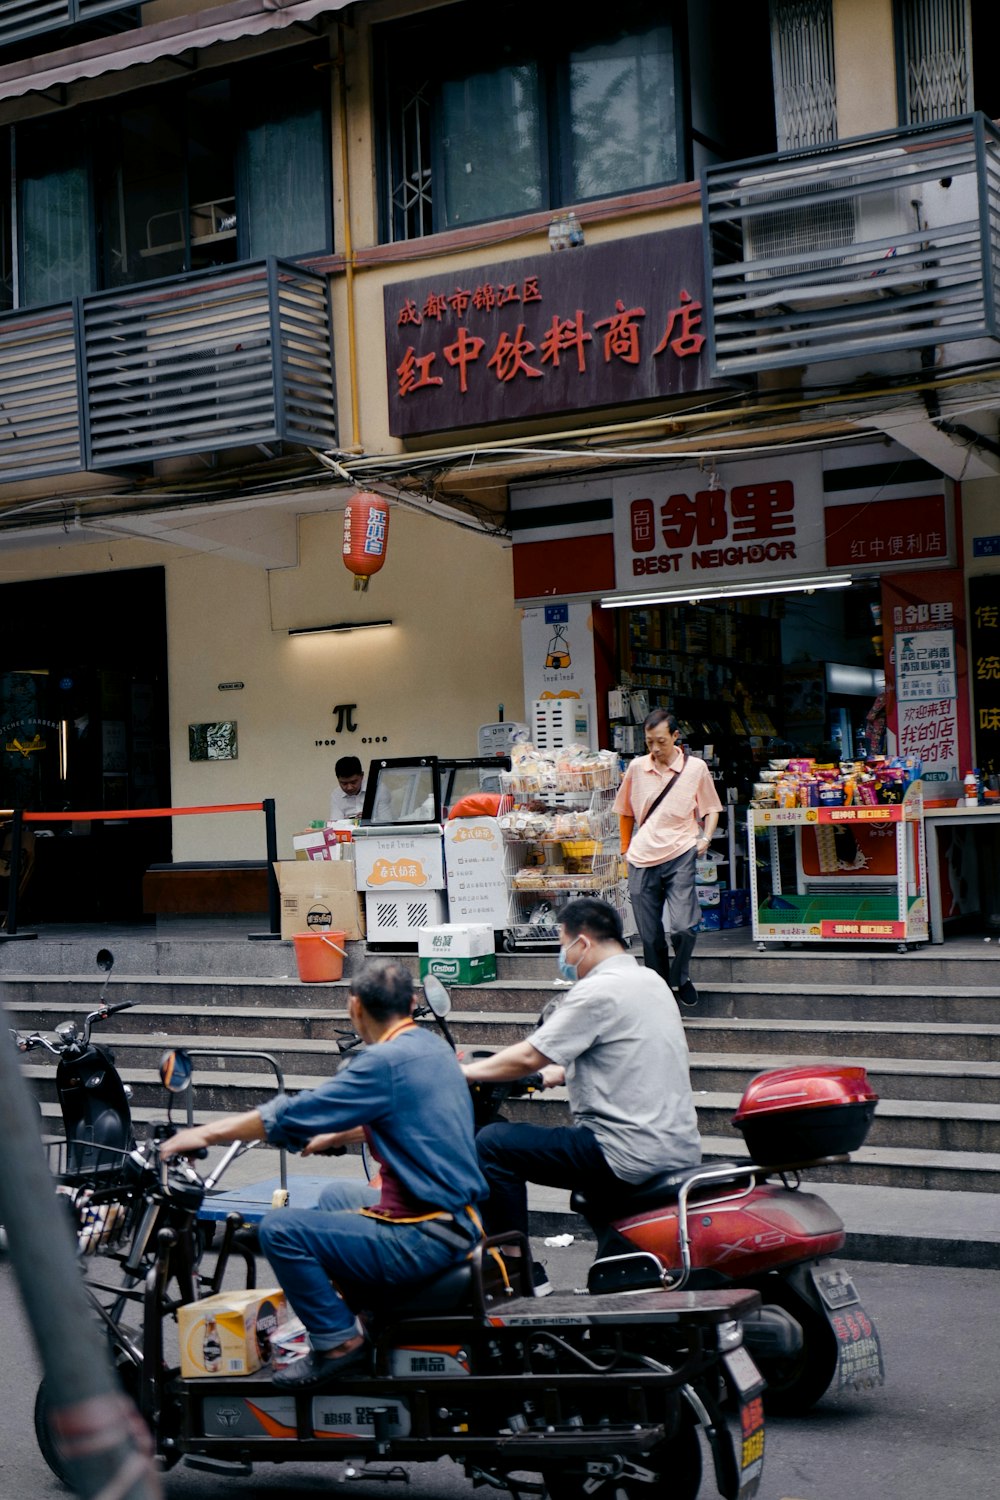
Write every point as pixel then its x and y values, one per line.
pixel 147 44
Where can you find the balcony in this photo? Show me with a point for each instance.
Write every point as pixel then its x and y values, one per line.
pixel 222 359
pixel 860 249
pixel 20 19
pixel 193 364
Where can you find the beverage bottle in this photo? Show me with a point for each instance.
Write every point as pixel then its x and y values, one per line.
pixel 971 790
pixel 211 1348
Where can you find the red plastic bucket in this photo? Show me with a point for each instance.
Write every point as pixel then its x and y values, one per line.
pixel 320 956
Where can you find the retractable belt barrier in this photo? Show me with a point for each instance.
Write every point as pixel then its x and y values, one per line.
pixel 19 818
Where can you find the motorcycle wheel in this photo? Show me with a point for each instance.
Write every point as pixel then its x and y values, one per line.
pixel 795 1385
pixel 675 1467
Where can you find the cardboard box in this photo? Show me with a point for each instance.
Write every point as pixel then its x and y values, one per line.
pixel 322 843
pixel 318 895
pixel 230 1333
pixel 461 952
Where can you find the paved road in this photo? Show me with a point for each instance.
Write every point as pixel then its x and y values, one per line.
pixel 930 1434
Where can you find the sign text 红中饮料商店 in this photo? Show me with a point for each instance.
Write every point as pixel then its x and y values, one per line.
pixel 984 637
pixel 598 326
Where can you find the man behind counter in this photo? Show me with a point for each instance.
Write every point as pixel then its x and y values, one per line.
pixel 347 800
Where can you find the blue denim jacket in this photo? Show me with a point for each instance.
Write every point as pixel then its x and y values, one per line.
pixel 412 1095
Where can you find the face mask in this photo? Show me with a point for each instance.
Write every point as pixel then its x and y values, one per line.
pixel 567 970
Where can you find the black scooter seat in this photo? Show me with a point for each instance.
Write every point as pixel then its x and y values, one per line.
pixel 656 1192
pixel 449 1291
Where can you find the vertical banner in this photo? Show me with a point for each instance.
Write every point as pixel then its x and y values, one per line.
pixel 984 637
pixel 926 670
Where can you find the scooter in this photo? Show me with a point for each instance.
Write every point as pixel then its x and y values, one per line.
pixel 600 1396
pixel 746 1224
pixel 97 1118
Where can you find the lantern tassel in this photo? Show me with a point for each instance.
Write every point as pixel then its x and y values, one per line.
pixel 360 583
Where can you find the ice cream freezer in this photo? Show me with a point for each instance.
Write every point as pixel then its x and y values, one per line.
pixel 839 874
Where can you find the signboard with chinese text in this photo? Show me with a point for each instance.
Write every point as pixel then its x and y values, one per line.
pixel 926 670
pixel 602 325
pixel 889 531
pixel 748 521
pixel 984 636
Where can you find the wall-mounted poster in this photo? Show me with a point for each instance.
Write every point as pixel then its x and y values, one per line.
pixel 212 741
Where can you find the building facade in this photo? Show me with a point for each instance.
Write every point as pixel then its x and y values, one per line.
pixel 690 310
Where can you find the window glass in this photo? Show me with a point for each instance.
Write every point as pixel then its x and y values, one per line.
pixel 286 152
pixel 622 113
pixel 490 143
pixel 54 216
pixel 145 196
pixel 211 175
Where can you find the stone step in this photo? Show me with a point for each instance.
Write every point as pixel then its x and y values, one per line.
pixel 306 1042
pixel 825 1003
pixel 913 1125
pixel 977 1041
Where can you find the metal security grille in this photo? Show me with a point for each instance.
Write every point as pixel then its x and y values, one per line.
pixel 936 46
pixel 805 88
pixel 20 19
pixel 411 200
pixel 40 426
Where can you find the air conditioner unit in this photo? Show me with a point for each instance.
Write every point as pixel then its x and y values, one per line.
pixel 827 231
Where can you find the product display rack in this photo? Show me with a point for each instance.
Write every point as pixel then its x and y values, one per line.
pixel 562 841
pixel 842 903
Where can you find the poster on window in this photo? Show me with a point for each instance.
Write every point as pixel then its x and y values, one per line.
pixel 927 670
pixel 984 635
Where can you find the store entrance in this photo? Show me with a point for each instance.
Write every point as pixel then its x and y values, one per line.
pixel 83 727
pixel 749 679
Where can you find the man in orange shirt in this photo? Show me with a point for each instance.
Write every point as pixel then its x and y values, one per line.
pixel 668 810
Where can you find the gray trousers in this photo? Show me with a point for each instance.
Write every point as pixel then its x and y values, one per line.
pixel 664 902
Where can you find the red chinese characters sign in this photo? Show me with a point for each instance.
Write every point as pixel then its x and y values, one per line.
pixel 590 327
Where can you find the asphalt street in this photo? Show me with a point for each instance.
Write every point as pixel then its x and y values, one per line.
pixel 930 1433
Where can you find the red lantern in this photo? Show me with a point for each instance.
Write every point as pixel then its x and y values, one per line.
pixel 366 532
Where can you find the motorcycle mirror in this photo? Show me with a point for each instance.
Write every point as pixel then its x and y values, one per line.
pixel 106 960
pixel 437 996
pixel 176 1069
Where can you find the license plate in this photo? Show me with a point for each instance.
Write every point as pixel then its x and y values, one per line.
pixel 744 1374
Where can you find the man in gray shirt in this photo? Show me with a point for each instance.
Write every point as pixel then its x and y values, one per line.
pixel 617 1041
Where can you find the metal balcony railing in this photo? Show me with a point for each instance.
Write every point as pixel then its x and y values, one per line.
pixel 221 359
pixel 883 243
pixel 20 19
pixel 40 403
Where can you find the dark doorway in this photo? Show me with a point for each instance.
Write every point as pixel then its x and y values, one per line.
pixel 83 728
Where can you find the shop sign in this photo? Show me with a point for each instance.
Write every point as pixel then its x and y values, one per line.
pixel 602 325
pixel 890 531
pixel 984 636
pixel 862 931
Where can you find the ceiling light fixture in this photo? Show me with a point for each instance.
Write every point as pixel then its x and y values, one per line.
pixel 731 591
pixel 342 627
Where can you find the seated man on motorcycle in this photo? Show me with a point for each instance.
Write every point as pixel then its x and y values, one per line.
pixel 405 1090
pixel 617 1041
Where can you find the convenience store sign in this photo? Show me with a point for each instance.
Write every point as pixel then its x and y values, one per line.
pixel 777 517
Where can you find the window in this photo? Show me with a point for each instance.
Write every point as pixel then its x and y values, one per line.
pixel 177 179
pixel 541 116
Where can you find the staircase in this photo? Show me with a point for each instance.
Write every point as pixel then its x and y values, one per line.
pixel 925 1024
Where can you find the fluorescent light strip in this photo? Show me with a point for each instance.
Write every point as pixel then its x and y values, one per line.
pixel 735 591
pixel 341 628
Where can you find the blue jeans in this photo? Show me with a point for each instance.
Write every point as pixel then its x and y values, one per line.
pixel 511 1156
pixel 311 1248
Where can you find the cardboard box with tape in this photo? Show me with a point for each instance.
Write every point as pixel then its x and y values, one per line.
pixel 318 895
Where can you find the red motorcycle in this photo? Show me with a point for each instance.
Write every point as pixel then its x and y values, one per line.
pixel 750 1225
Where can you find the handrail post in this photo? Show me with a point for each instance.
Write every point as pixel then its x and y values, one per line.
pixel 273 892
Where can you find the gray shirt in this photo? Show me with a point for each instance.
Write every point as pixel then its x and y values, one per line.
pixel 619 1035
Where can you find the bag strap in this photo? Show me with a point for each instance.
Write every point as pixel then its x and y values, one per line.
pixel 666 790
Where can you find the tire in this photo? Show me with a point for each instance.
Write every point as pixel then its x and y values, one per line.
pixel 795 1385
pixel 675 1466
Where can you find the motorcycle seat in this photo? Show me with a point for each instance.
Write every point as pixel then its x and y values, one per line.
pixel 450 1291
pixel 655 1192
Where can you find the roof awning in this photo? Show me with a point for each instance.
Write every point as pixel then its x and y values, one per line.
pixel 164 39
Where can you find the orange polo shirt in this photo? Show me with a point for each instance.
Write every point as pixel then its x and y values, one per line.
pixel 673 828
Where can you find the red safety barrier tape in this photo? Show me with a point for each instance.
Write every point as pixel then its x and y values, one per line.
pixel 107 815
